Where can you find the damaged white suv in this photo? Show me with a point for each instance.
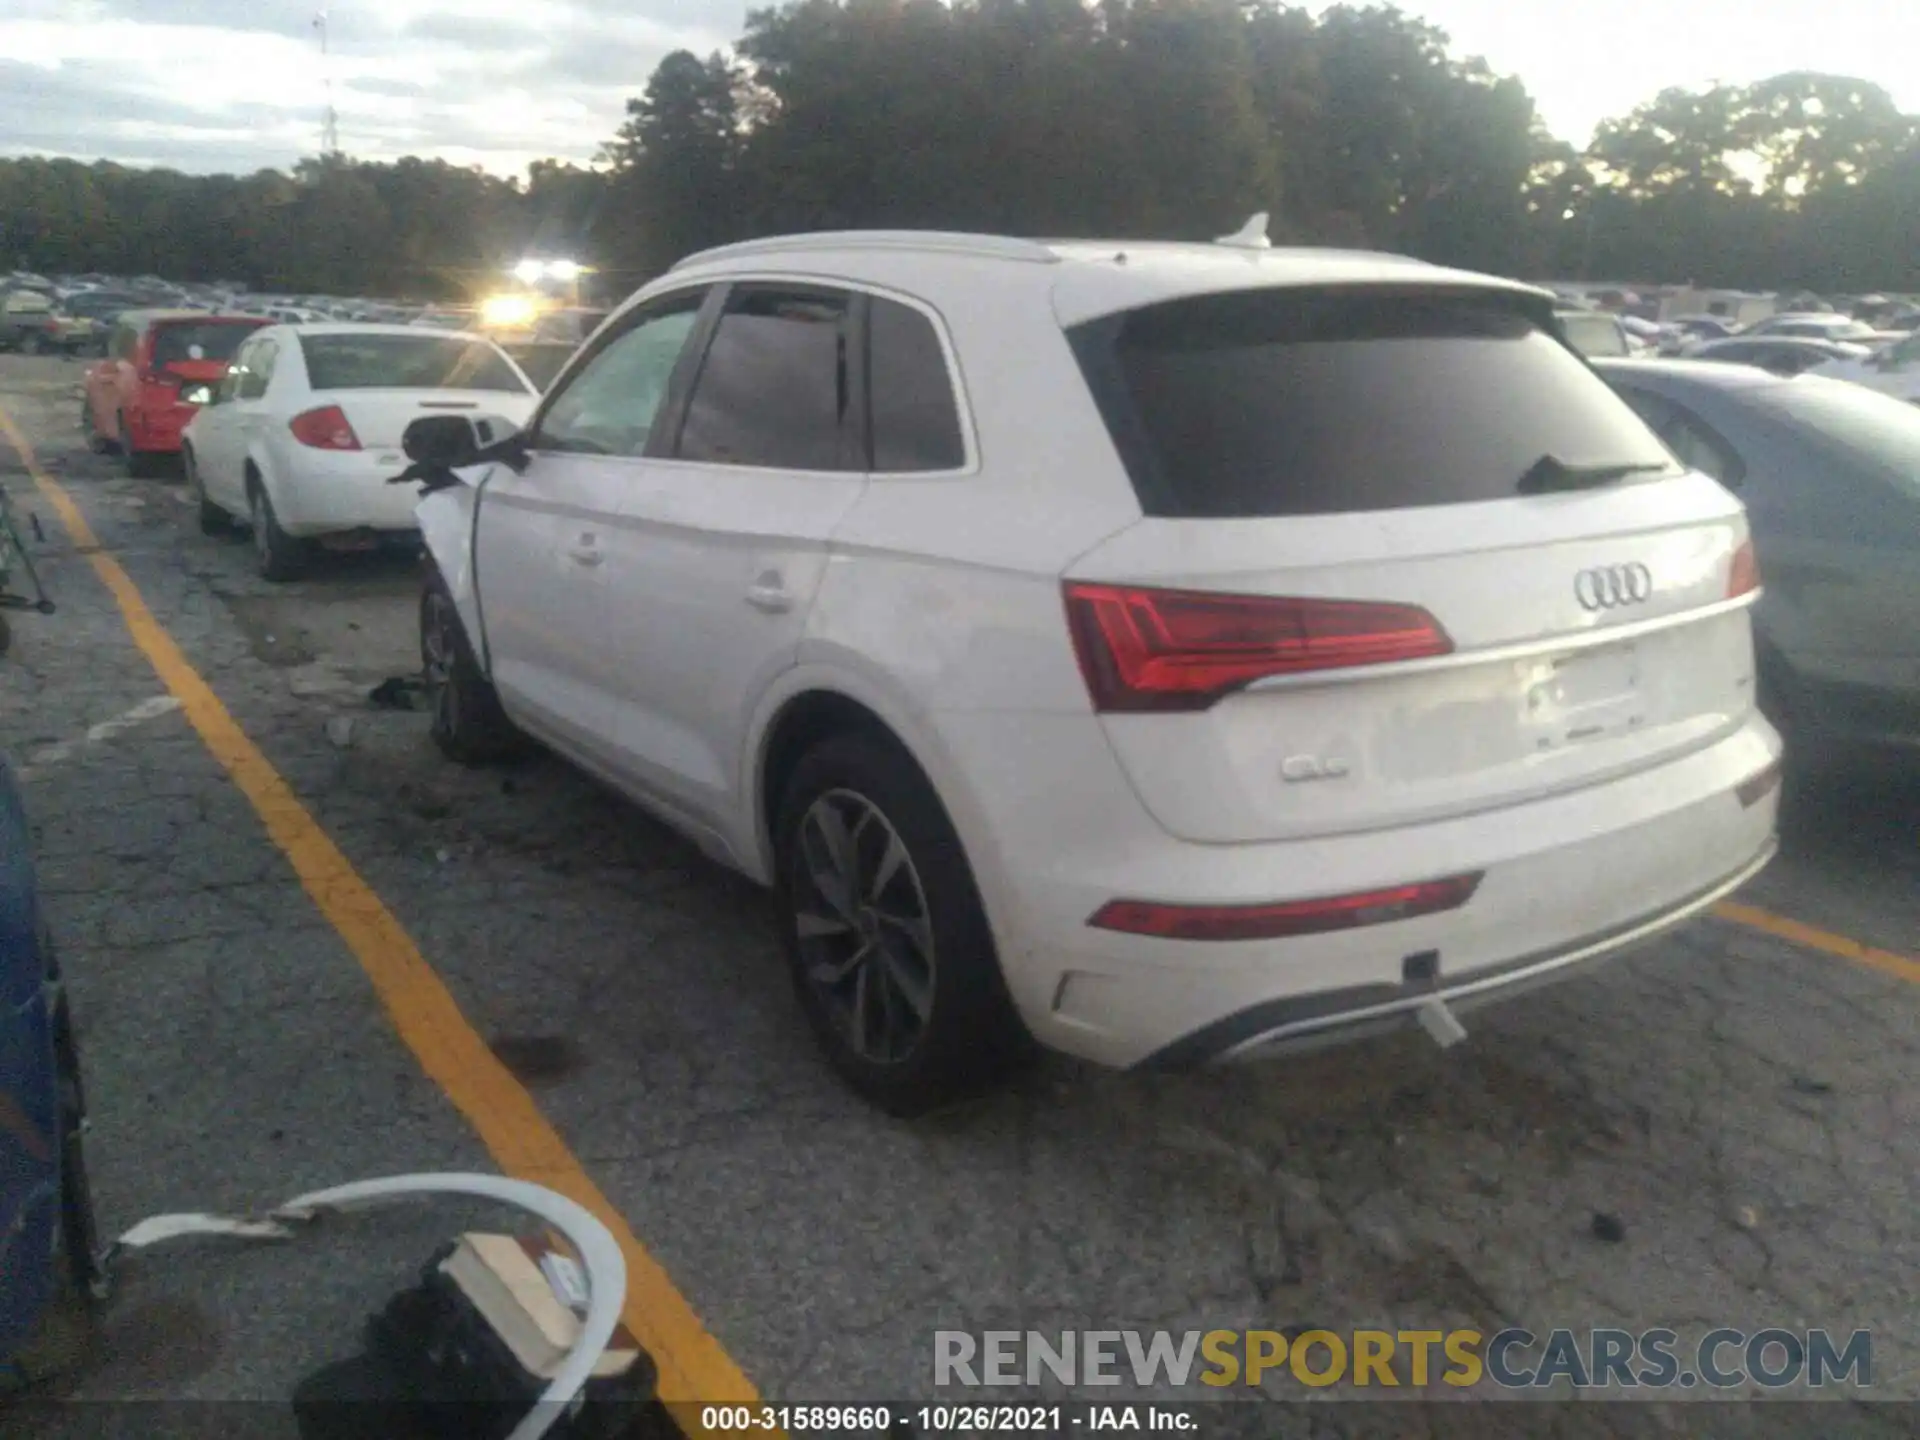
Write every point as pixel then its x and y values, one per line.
pixel 1167 652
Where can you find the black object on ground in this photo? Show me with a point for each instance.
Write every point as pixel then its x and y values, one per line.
pixel 396 692
pixel 433 1369
pixel 1609 1228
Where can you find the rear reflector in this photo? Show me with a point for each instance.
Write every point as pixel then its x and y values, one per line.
pixel 324 429
pixel 1744 574
pixel 1752 791
pixel 1294 917
pixel 1144 649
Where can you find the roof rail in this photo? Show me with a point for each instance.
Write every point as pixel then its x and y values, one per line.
pixel 949 242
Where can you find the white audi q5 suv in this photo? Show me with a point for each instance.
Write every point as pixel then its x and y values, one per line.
pixel 1170 653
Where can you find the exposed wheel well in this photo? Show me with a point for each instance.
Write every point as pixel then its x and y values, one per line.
pixel 805 722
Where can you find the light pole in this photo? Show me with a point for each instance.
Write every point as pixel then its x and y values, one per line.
pixel 330 127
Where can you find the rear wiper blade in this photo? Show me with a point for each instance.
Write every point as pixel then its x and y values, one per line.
pixel 1550 473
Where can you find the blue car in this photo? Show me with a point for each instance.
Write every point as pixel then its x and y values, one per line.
pixel 47 1241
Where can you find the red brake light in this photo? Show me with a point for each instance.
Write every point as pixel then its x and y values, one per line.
pixel 324 429
pixel 1143 649
pixel 1744 574
pixel 1295 917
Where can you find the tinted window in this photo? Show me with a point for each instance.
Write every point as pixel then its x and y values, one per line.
pixel 916 425
pixel 773 387
pixel 1287 402
pixel 406 362
pixel 187 341
pixel 258 372
pixel 608 405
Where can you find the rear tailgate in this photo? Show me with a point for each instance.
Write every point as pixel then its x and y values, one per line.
pixel 1303 450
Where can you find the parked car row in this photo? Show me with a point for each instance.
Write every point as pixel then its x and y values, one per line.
pixel 76 314
pixel 294 428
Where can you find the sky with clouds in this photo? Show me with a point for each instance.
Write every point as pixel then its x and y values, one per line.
pixel 208 85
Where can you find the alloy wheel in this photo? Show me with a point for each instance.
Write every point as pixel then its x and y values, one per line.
pixel 865 933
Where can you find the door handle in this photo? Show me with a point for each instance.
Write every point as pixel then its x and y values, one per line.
pixel 770 595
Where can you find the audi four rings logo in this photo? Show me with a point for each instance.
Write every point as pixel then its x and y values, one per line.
pixel 1608 587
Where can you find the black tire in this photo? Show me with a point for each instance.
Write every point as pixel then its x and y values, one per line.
pixel 213 520
pixel 278 555
pixel 469 724
pixel 960 1035
pixel 139 465
pixel 79 1229
pixel 6 635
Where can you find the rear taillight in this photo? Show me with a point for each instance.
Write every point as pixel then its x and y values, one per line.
pixel 1294 917
pixel 1143 649
pixel 324 429
pixel 1744 574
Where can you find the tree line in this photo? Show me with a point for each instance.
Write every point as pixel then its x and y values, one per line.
pixel 1128 118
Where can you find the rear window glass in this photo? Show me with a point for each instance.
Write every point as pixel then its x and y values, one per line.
pixel 1291 402
pixel 197 342
pixel 406 362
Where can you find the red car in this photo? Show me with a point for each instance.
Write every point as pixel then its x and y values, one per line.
pixel 161 367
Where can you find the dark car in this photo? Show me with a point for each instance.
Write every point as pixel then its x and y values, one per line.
pixel 47 1239
pixel 1780 354
pixel 1830 475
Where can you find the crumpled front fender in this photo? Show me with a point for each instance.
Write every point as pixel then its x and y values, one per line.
pixel 449 518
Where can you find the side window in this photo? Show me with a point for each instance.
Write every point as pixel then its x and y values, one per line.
pixel 774 387
pixel 229 385
pixel 608 405
pixel 1693 442
pixel 258 371
pixel 1905 352
pixel 916 425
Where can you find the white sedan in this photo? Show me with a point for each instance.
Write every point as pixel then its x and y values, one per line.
pixel 1892 369
pixel 302 435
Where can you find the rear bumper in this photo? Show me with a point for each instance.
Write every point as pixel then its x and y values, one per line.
pixel 1289 1024
pixel 159 431
pixel 1566 879
pixel 323 492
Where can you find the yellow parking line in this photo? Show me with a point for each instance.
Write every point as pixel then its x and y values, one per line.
pixel 1885 961
pixel 694 1369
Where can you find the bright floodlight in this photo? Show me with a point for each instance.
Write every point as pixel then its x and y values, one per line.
pixel 564 270
pixel 528 271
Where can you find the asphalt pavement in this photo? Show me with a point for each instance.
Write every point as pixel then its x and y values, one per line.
pixel 1718 1131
